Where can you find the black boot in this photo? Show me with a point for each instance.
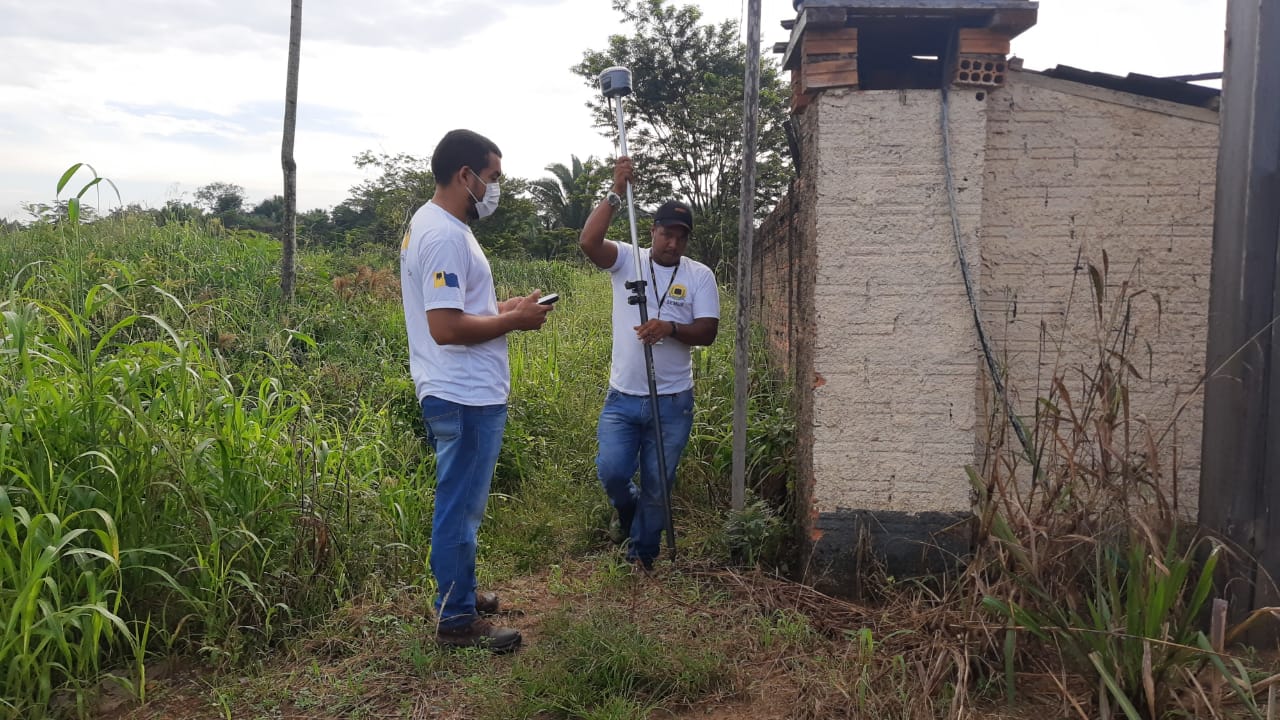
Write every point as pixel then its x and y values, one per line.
pixel 487 603
pixel 480 633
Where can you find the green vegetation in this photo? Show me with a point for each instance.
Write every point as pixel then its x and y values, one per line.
pixel 188 469
pixel 195 475
pixel 1084 556
pixel 192 472
pixel 604 664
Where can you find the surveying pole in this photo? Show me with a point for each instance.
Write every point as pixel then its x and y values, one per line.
pixel 615 84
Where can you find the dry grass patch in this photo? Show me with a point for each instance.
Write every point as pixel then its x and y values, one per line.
pixel 693 640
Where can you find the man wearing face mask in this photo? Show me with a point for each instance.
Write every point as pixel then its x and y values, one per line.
pixel 458 358
pixel 684 310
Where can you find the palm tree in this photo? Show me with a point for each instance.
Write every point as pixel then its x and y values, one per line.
pixel 288 270
pixel 568 198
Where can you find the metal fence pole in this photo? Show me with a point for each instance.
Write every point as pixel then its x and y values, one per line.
pixel 1240 455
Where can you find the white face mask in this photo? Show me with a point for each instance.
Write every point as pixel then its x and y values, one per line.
pixel 486 206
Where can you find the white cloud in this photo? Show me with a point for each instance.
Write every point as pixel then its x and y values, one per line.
pixel 1172 37
pixel 210 25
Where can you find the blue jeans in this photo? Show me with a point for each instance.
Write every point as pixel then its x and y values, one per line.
pixel 626 439
pixel 466 441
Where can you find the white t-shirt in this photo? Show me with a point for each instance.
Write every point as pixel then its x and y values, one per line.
pixel 680 294
pixel 442 266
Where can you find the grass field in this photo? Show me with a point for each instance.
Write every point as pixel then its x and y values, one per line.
pixel 215 506
pixel 190 468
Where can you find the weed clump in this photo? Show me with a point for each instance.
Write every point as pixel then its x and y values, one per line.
pixel 1084 567
pixel 601 663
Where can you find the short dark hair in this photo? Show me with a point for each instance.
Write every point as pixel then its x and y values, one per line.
pixel 459 149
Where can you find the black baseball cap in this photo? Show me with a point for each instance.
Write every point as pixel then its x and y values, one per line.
pixel 674 212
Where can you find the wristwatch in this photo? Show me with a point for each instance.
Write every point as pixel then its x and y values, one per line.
pixel 614 200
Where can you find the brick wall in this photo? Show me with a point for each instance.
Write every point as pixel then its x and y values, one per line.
pixel 862 294
pixel 1071 171
pixel 894 414
pixel 784 275
pixel 774 279
pixel 894 351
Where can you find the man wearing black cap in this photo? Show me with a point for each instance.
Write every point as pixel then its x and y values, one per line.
pixel 684 310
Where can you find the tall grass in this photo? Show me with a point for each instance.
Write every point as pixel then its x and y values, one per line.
pixel 188 466
pixel 1084 557
pixel 155 485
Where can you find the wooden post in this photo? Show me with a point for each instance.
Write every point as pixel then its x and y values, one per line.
pixel 288 269
pixel 1240 458
pixel 746 227
pixel 1218 641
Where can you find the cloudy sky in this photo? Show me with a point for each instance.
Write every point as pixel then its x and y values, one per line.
pixel 163 96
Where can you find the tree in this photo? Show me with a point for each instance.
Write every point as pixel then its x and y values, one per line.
pixel 378 210
pixel 350 222
pixel 177 212
pixel 315 227
pixel 288 271
pixel 220 198
pixel 58 212
pixel 271 209
pixel 685 117
pixel 564 201
pixel 567 198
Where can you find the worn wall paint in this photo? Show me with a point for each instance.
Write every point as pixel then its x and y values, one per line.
pixel 785 283
pixel 1071 171
pixel 894 420
pixel 863 301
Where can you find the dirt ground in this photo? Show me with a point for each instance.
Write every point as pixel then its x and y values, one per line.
pixel 376 661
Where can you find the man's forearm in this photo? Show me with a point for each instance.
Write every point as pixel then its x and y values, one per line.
pixel 592 237
pixel 702 331
pixel 454 327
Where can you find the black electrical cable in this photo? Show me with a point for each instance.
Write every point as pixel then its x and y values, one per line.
pixel 947 70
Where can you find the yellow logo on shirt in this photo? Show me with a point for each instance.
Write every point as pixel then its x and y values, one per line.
pixel 678 291
pixel 444 279
pixel 404 244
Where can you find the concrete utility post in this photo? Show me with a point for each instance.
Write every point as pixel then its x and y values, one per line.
pixel 1240 468
pixel 746 225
